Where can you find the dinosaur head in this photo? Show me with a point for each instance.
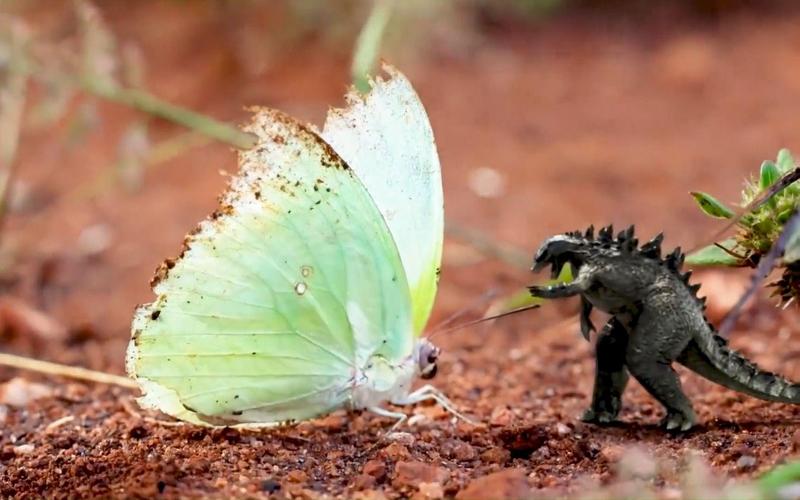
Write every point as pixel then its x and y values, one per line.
pixel 572 248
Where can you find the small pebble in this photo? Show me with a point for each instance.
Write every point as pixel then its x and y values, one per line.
pixel 746 462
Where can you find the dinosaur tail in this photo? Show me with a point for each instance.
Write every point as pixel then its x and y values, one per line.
pixel 709 356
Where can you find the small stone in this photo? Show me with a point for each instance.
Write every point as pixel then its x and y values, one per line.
pixel 563 429
pixel 19 392
pixel 375 468
pixel 746 462
pixel 369 495
pixel 508 483
pixel 364 482
pixel 23 449
pixel 432 491
pixel 297 476
pixel 414 473
pixel 404 438
pixel 270 485
pixel 396 451
pixel 417 419
pixel 496 455
pixel 612 453
pixel 464 451
pixel 501 416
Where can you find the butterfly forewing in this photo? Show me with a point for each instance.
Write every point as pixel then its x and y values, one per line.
pixel 279 296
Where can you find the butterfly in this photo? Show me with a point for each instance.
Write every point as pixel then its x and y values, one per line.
pixel 308 289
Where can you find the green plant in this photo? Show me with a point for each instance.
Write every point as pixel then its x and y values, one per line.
pixel 769 203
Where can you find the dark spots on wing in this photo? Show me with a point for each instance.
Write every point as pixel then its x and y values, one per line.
pixel 257 195
pixel 318 202
pixel 162 272
pixel 279 139
pixel 155 314
pixel 235 396
pixel 237 413
pixel 253 353
pixel 438 272
pixel 222 210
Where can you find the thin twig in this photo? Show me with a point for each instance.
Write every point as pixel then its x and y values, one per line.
pixel 12 103
pixel 487 245
pixel 150 104
pixel 368 44
pixel 58 369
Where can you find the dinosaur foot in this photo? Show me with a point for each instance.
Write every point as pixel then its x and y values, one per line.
pixel 599 417
pixel 678 421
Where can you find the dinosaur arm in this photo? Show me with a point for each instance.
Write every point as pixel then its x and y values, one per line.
pixel 562 290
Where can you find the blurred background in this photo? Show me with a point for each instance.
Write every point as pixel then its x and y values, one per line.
pixel 549 115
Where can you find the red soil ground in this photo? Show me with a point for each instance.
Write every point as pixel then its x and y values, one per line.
pixel 590 118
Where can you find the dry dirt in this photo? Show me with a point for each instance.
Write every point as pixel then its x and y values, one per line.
pixel 589 118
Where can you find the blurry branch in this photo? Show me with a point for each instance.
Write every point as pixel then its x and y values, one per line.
pixel 13 84
pixel 368 44
pixel 75 372
pixel 487 245
pixel 148 103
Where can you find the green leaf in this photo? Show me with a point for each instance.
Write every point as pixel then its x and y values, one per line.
pixel 785 161
pixel 711 206
pixel 713 255
pixel 779 477
pixel 769 174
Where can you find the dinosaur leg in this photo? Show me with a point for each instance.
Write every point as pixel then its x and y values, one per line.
pixel 611 375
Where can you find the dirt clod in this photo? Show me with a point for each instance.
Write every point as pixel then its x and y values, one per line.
pixel 505 484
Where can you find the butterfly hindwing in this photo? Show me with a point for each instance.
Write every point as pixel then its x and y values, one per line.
pixel 278 296
pixel 386 137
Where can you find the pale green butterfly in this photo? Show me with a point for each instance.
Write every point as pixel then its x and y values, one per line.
pixel 307 290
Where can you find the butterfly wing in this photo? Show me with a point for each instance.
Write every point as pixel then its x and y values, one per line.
pixel 386 138
pixel 278 296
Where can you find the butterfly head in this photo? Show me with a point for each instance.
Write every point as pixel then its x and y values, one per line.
pixel 427 355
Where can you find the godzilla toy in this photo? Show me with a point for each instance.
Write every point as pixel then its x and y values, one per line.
pixel 657 318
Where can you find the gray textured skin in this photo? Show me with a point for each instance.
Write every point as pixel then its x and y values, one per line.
pixel 657 319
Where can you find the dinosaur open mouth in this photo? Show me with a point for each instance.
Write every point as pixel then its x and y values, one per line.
pixel 556 267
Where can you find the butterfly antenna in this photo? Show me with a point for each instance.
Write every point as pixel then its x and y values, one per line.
pixel 480 301
pixel 489 318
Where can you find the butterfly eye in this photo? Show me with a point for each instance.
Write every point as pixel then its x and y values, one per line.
pixel 429 372
pixel 433 356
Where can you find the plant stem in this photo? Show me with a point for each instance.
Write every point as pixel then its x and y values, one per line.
pixel 148 103
pixel 65 371
pixel 12 103
pixel 368 44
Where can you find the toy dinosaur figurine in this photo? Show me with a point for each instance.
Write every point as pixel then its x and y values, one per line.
pixel 657 318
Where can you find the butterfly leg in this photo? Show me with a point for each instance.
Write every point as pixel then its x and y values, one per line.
pixel 428 392
pixel 399 417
